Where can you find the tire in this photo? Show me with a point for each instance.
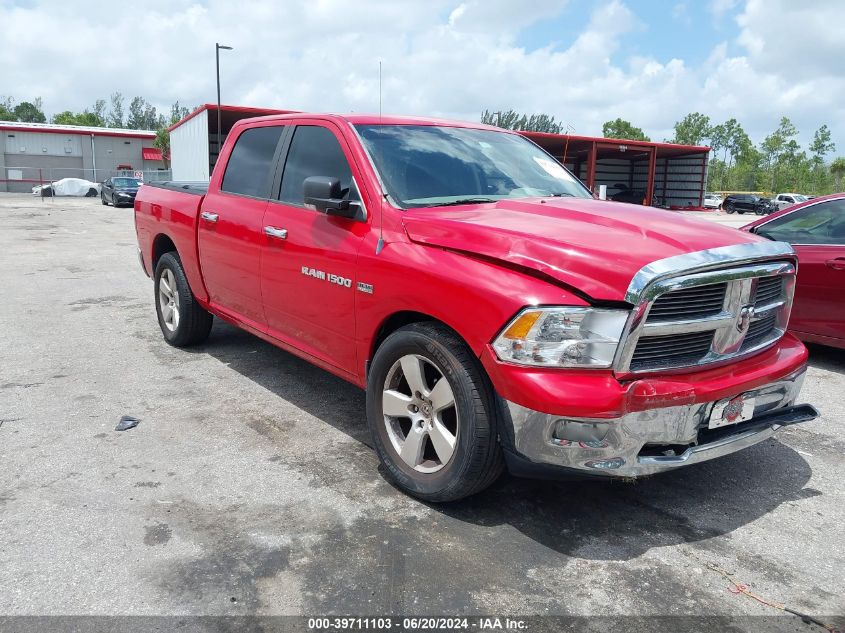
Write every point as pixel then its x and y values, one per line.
pixel 103 200
pixel 729 208
pixel 182 320
pixel 467 426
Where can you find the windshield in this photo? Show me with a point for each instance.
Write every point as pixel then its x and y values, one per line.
pixel 426 166
pixel 126 182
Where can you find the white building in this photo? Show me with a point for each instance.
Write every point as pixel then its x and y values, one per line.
pixel 193 140
pixel 32 153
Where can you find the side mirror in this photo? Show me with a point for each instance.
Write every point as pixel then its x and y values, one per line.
pixel 324 194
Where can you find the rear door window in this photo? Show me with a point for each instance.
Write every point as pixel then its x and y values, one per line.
pixel 250 166
pixel 314 151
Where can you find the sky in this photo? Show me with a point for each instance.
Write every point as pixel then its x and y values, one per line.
pixel 583 61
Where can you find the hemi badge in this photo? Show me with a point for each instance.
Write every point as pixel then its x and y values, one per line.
pixel 368 288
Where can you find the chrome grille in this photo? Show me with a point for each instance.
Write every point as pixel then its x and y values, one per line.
pixel 671 351
pixel 759 330
pixel 769 289
pixel 689 303
pixel 707 317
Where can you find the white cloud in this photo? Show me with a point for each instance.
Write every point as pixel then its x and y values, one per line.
pixel 441 57
pixel 720 7
pixel 791 66
pixel 680 12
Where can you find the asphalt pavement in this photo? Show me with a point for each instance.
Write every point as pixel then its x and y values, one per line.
pixel 249 486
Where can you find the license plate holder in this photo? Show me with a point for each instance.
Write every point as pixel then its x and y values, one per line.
pixel 732 411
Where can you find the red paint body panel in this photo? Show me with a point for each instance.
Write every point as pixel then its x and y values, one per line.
pixel 587 393
pixel 174 215
pixel 473 267
pixel 229 250
pixel 818 312
pixel 324 324
pixel 569 238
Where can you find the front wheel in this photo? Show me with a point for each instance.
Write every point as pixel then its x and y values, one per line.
pixel 729 208
pixel 183 321
pixel 431 413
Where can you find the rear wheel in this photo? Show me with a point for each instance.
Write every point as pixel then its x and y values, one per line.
pixel 103 199
pixel 431 413
pixel 183 321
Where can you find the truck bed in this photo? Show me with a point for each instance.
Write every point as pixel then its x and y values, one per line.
pixel 170 211
pixel 197 187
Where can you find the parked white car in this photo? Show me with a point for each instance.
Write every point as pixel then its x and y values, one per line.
pixel 783 200
pixel 67 187
pixel 712 201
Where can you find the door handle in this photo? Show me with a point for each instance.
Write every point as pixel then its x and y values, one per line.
pixel 208 216
pixel 279 234
pixel 837 263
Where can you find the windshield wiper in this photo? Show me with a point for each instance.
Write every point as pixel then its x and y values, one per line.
pixel 463 201
pixel 561 194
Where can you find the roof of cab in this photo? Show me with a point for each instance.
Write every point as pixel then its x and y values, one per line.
pixel 375 119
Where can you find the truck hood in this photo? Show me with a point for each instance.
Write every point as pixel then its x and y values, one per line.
pixel 592 246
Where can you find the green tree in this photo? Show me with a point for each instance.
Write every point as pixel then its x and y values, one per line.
pixel 178 112
pixel 777 146
pixel 30 112
pixel 7 107
pixel 99 111
pixel 65 118
pixel 622 129
pixel 692 129
pixel 724 137
pixel 86 117
pixel 136 118
pixel 115 116
pixel 513 120
pixel 162 141
pixel 837 169
pixel 822 145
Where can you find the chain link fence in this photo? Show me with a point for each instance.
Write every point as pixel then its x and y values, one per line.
pixel 24 179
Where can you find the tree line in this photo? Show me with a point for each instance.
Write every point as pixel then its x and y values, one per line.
pixel 776 164
pixel 138 115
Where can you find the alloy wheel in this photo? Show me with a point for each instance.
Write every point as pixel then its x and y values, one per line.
pixel 420 413
pixel 168 299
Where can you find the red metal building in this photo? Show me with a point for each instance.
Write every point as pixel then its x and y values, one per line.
pixel 668 175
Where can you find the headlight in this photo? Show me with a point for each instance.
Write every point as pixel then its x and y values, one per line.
pixel 562 337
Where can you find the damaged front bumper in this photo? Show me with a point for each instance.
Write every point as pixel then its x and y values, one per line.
pixel 647 442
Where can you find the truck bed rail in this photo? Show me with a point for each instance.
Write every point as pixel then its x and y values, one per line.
pixel 197 188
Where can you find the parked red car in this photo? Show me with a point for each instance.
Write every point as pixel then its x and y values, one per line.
pixel 816 230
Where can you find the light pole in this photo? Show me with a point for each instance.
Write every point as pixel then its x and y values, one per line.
pixel 217 48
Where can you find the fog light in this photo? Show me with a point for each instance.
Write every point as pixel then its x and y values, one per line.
pixel 606 464
pixel 590 434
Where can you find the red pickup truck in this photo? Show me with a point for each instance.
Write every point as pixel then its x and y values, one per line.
pixel 495 312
